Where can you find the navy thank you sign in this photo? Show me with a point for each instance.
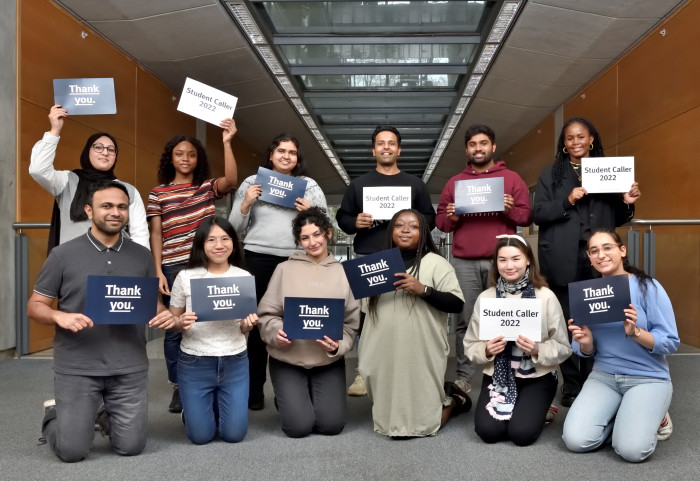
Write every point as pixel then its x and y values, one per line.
pixel 279 188
pixel 85 96
pixel 223 298
pixel 599 300
pixel 121 300
pixel 313 318
pixel 373 274
pixel 479 195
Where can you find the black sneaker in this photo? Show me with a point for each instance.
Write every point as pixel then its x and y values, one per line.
pixel 175 403
pixel 461 399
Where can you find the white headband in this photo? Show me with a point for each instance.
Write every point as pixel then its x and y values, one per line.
pixel 512 236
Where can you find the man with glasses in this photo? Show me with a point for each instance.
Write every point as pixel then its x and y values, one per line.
pixel 70 187
pixel 475 234
pixel 95 364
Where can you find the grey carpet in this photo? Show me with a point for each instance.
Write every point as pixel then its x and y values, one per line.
pixel 358 453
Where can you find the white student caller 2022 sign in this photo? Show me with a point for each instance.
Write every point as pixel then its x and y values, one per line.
pixel 206 103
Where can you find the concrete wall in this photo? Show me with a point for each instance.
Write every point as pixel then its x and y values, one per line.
pixel 8 124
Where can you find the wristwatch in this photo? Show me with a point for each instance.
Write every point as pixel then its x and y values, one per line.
pixel 637 331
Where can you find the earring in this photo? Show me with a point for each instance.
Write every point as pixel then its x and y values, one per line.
pixel 564 150
pixel 590 147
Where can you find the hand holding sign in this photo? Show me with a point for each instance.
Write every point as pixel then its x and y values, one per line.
pixel 163 320
pixel 633 195
pixel 583 336
pixel 248 323
pixel 56 116
pixel 630 320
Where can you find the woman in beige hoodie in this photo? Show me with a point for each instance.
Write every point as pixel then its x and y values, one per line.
pixel 308 376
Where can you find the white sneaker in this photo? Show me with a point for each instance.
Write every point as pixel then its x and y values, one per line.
pixel 357 388
pixel 464 385
pixel 665 429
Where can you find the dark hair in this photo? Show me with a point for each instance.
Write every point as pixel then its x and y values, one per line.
pixel 425 245
pixel 85 154
pixel 643 278
pixel 386 128
pixel 476 129
pixel 561 159
pixel 198 257
pixel 166 170
pixel 298 169
pixel 314 215
pixel 104 185
pixel 536 278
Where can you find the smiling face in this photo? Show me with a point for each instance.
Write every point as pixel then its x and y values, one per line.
pixel 511 263
pixel 386 148
pixel 314 241
pixel 109 210
pixel 218 246
pixel 103 161
pixel 406 233
pixel 606 255
pixel 480 151
pixel 577 140
pixel 185 158
pixel 284 157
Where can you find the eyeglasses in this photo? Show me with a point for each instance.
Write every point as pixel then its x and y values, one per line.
pixel 606 248
pixel 99 148
pixel 215 240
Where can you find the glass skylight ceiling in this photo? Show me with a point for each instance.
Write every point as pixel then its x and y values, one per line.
pixel 358 64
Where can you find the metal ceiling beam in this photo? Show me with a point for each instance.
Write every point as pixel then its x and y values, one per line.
pixel 374 39
pixel 382 69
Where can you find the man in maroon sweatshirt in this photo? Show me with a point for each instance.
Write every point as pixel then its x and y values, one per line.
pixel 475 234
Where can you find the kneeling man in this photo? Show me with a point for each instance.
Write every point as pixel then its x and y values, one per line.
pixel 95 364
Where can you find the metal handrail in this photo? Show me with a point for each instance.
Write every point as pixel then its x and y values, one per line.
pixel 30 225
pixel 651 222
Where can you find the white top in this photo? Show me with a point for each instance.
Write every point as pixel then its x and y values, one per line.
pixel 62 184
pixel 210 338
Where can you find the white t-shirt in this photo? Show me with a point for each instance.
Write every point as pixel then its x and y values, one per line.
pixel 212 338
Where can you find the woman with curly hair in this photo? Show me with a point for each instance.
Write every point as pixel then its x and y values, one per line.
pixel 566 214
pixel 404 348
pixel 185 197
pixel 268 238
pixel 308 376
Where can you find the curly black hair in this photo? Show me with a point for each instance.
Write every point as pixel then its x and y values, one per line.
pixel 314 215
pixel 166 170
pixel 561 160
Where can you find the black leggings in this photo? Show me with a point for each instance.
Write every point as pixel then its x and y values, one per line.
pixel 525 426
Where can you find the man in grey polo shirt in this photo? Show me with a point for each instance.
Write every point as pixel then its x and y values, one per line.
pixel 95 364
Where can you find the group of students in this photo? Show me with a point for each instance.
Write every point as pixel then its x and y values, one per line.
pixel 220 374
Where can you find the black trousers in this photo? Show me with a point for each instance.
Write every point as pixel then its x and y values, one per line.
pixel 310 399
pixel 526 424
pixel 262 266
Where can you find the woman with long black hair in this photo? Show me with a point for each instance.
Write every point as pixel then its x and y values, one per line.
pixel 566 215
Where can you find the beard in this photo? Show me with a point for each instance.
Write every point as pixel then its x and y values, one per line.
pixel 103 226
pixel 479 163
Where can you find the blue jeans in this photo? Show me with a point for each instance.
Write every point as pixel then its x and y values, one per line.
pixel 70 433
pixel 626 410
pixel 171 342
pixel 214 395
